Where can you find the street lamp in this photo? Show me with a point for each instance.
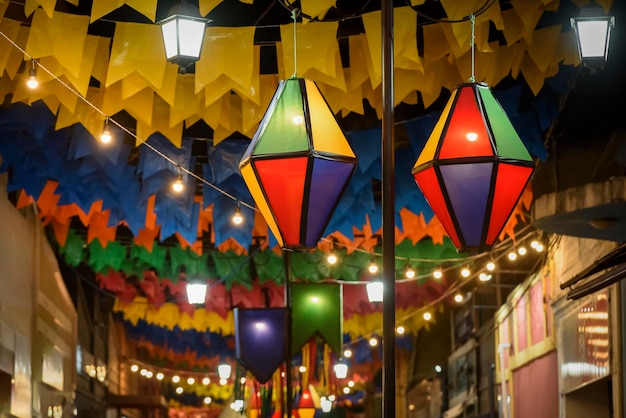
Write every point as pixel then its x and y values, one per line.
pixel 183 34
pixel 375 291
pixel 593 32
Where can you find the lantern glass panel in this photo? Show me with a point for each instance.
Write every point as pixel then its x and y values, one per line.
pixel 190 37
pixel 196 293
pixel 592 35
pixel 169 38
pixel 375 291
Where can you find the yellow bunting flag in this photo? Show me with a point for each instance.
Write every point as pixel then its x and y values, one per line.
pixel 317 8
pixel 226 51
pixel 84 114
pixel 137 47
pixel 316 50
pixel 160 123
pixel 100 8
pixel 31 5
pixel 207 5
pixel 60 37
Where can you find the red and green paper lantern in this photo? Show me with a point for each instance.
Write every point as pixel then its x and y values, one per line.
pixel 298 164
pixel 473 168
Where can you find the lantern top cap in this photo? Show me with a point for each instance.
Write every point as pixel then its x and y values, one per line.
pixel 592 10
pixel 184 9
pixel 473 83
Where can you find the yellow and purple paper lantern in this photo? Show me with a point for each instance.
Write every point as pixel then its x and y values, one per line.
pixel 298 164
pixel 473 168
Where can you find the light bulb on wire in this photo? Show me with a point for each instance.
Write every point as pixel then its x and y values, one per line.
pixel 106 136
pixel 458 298
pixel 522 251
pixel 438 274
pixel 428 316
pixel 512 256
pixel 32 81
pixel 178 186
pixel 465 271
pixel 373 267
pixel 332 258
pixel 409 273
pixel 237 216
pixel 491 265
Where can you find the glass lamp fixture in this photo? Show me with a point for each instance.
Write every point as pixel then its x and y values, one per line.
pixel 473 168
pixel 341 370
pixel 593 34
pixel 223 370
pixel 32 81
pixel 326 404
pixel 375 291
pixel 196 292
pixel 183 35
pixel 299 151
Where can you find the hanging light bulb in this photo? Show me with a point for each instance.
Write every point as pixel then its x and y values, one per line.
pixel 106 136
pixel 149 374
pixel 438 274
pixel 347 353
pixel 237 216
pixel 134 368
pixel 207 400
pixel 458 298
pixel 512 256
pixel 179 390
pixel 373 341
pixel 206 381
pixel 191 380
pixel 484 277
pixel 332 258
pixel 400 330
pixel 409 273
pixel 491 265
pixel 522 250
pixel 175 379
pixel 373 267
pixel 465 272
pixel 160 376
pixel 178 186
pixel 428 316
pixel 302 369
pixel 32 81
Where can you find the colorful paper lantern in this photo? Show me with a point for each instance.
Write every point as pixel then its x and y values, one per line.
pixel 298 164
pixel 473 168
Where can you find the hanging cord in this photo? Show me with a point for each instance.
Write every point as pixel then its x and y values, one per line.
pixel 294 16
pixel 472 19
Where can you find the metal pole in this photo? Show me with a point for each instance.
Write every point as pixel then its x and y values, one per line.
pixel 389 246
pixel 492 390
pixel 288 394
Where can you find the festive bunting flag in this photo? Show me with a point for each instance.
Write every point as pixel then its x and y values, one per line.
pixel 261 340
pixel 316 309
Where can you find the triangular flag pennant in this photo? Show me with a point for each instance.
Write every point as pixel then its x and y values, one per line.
pixel 261 340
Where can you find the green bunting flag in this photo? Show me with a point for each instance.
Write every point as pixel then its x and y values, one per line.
pixel 316 309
